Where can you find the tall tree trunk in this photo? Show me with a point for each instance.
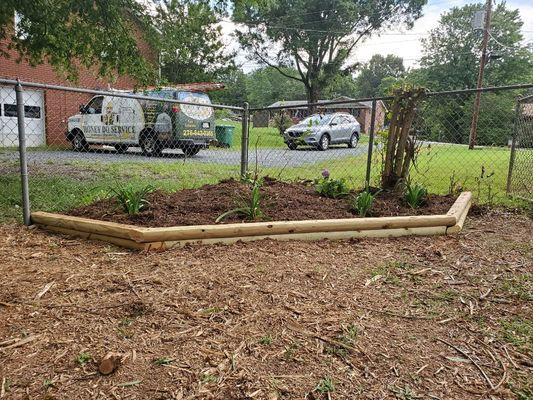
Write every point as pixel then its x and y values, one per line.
pixel 312 97
pixel 400 149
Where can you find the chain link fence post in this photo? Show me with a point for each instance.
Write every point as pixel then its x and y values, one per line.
pixel 22 155
pixel 370 144
pixel 513 146
pixel 244 139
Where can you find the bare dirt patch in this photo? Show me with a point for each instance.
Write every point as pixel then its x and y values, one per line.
pixel 442 317
pixel 281 201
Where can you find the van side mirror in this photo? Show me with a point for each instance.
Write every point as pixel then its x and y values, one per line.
pixel 83 110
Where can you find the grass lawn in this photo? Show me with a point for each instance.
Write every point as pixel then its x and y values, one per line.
pixel 442 168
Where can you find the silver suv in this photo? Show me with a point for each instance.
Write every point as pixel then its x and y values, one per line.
pixel 321 130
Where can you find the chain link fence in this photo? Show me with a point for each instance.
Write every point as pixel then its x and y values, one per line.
pixel 79 144
pixel 520 178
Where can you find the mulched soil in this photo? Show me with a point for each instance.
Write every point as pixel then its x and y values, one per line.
pixel 445 317
pixel 281 201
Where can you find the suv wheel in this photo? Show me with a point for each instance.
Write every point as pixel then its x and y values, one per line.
pixel 79 143
pixel 151 146
pixel 191 150
pixel 354 140
pixel 323 143
pixel 292 145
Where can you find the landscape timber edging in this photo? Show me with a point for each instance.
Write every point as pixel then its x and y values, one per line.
pixel 136 237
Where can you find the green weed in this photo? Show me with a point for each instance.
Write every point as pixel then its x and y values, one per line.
pixel 363 202
pixel 251 209
pixel 83 358
pixel 325 385
pixel 518 332
pixel 132 199
pixel 415 195
pixel 266 340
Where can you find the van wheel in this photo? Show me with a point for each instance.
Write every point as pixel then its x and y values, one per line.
pixel 150 146
pixel 191 150
pixel 79 143
pixel 121 148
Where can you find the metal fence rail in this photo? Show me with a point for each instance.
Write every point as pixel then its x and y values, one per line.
pixel 60 155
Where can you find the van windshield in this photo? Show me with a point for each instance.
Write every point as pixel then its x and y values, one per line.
pixel 192 111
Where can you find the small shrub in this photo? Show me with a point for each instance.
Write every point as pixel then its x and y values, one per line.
pixel 415 195
pixel 266 340
pixel 282 121
pixel 325 385
pixel 332 188
pixel 251 210
pixel 363 202
pixel 83 358
pixel 131 199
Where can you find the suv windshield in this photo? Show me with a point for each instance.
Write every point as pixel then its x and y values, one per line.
pixel 316 119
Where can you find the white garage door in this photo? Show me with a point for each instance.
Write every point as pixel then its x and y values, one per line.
pixel 33 114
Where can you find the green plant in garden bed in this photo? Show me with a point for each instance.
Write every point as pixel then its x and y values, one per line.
pixel 132 199
pixel 415 195
pixel 251 209
pixel 362 203
pixel 332 188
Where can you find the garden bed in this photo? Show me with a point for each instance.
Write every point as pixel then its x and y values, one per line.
pixel 281 201
pixel 298 200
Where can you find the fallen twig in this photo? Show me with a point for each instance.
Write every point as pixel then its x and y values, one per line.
pixel 471 360
pixel 45 289
pixel 18 342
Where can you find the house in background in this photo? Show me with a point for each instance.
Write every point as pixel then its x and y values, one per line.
pixel 361 110
pixel 46 111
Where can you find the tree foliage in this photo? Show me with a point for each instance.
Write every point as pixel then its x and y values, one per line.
pixel 375 71
pixel 68 33
pixel 315 37
pixel 190 42
pixel 452 51
pixel 451 61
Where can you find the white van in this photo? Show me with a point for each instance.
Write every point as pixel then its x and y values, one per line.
pixel 153 125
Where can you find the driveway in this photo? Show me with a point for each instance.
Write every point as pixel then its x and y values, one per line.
pixel 275 157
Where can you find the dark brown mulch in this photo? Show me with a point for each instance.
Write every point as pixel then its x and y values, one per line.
pixel 281 201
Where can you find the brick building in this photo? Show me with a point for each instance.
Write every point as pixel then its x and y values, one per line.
pixel 361 110
pixel 46 111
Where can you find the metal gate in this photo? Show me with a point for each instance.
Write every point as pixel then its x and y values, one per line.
pixel 520 178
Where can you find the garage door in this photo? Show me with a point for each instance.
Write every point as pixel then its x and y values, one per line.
pixel 33 113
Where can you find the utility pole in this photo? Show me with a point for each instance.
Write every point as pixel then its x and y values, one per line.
pixel 482 62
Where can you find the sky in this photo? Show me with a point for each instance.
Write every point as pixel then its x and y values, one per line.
pixel 401 42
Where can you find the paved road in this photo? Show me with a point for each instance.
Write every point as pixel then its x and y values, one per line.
pixel 279 157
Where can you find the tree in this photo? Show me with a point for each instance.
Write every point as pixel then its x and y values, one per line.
pixel 315 37
pixel 98 32
pixel 340 85
pixel 451 61
pixel 235 91
pixel 377 69
pixel 190 42
pixel 266 86
pixel 451 52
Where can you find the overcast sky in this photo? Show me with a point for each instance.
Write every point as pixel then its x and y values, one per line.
pixel 406 44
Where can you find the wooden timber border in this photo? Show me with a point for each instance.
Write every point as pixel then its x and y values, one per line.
pixel 135 237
